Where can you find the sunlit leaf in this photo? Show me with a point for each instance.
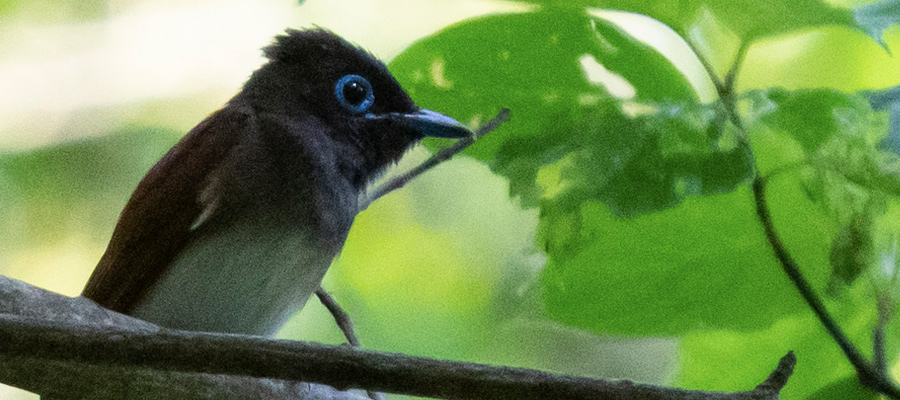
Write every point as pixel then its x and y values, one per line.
pixel 596 114
pixel 750 19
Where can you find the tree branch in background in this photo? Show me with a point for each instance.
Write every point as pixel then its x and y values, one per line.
pixel 439 157
pixel 41 332
pixel 868 373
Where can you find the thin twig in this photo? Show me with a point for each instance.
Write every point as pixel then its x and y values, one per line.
pixel 868 374
pixel 343 321
pixel 779 377
pixel 727 92
pixel 732 74
pixel 878 348
pixel 340 316
pixel 710 71
pixel 441 156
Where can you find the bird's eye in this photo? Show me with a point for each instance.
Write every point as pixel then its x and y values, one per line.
pixel 354 93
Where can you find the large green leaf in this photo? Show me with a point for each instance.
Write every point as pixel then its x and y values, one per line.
pixel 752 19
pixel 749 19
pixel 541 65
pixel 703 264
pixel 587 154
pixel 836 137
pixel 708 357
pixel 596 114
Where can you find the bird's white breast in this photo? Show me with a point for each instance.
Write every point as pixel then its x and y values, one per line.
pixel 248 278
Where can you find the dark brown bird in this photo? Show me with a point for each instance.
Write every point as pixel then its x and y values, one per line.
pixel 234 228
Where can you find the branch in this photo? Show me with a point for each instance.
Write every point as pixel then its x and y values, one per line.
pixel 343 321
pixel 341 318
pixel 37 334
pixel 441 156
pixel 868 374
pixel 885 311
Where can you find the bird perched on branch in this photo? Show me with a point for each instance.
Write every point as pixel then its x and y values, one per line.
pixel 234 228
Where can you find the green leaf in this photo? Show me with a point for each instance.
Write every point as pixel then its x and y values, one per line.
pixel 853 250
pixel 835 136
pixel 749 19
pixel 754 19
pixel 703 264
pixel 811 116
pixel 889 100
pixel 877 17
pixel 708 357
pixel 842 389
pixel 541 65
pixel 564 75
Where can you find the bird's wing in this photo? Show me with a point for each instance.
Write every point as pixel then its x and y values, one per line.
pixel 169 202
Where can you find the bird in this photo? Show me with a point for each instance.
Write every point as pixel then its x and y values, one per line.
pixel 233 229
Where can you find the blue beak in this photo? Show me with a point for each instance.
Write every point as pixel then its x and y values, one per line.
pixel 430 123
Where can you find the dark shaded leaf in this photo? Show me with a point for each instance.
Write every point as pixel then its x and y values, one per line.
pixel 877 17
pixel 889 100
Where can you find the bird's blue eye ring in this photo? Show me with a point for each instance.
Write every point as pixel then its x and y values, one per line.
pixel 354 93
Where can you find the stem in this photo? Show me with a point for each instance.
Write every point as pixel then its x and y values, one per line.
pixel 346 324
pixel 340 316
pixel 731 77
pixel 884 316
pixel 726 92
pixel 868 375
pixel 710 71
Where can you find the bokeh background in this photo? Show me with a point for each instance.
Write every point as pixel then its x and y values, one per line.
pixel 455 265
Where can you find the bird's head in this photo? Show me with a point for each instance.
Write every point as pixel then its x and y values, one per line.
pixel 316 73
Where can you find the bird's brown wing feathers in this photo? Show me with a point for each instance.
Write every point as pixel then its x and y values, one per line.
pixel 157 222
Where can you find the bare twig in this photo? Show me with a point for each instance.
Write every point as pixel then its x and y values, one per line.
pixel 885 312
pixel 778 378
pixel 441 156
pixel 727 91
pixel 341 318
pixel 343 321
pixel 868 374
pixel 710 71
pixel 28 342
pixel 731 76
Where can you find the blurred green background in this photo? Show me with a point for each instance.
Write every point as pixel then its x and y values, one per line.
pixel 607 230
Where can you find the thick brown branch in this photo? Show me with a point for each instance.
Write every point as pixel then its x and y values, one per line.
pixel 49 341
